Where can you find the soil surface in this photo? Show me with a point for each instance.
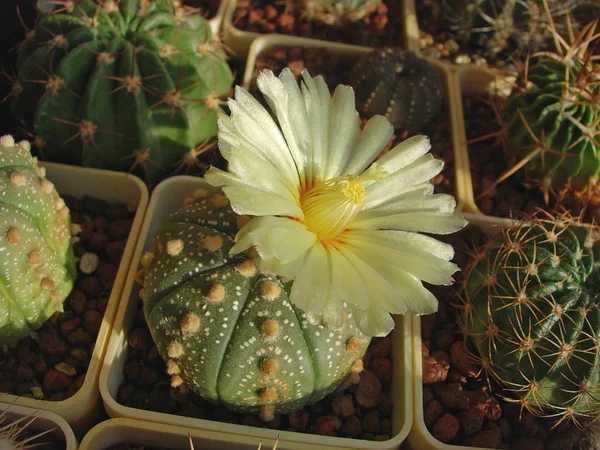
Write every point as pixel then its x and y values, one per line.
pixel 461 405
pixel 384 27
pixel 335 69
pixel 51 363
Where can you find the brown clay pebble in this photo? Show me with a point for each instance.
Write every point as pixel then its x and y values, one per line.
pixel 463 360
pixel 445 428
pixel 77 301
pixel 343 406
pixel 352 427
pixel 490 408
pixel 433 371
pixel 119 229
pixel 115 250
pixel 56 381
pixel 299 420
pixel 97 242
pixel 382 347
pixel 527 443
pixel 140 339
pixel 369 390
pixel 487 439
pixel 371 422
pixel 382 368
pixel 326 425
pixel 452 396
pixel 92 321
pixel 51 344
pixel 91 286
pixel 433 410
pixel 471 421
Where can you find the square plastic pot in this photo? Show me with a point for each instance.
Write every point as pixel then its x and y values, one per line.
pixel 83 408
pixel 44 420
pixel 451 92
pixel 239 40
pixel 166 199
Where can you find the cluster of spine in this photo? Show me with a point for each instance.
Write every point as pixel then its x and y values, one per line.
pixel 531 304
pixel 230 332
pixel 37 266
pixel 407 90
pixel 553 117
pixel 123 85
pixel 334 12
pixel 500 28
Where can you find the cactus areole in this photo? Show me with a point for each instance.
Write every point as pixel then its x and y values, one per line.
pixel 228 331
pixel 37 267
pixel 123 85
pixel 532 309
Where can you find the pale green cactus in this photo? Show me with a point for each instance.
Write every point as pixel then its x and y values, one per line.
pixel 334 12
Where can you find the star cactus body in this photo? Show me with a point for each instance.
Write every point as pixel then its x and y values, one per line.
pixel 334 12
pixel 123 85
pixel 532 309
pixel 37 266
pixel 228 331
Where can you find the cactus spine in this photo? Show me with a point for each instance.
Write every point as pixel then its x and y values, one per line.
pixel 122 85
pixel 334 12
pixel 229 332
pixel 37 265
pixel 532 309
pixel 407 90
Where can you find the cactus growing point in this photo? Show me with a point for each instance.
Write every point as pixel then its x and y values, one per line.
pixel 121 85
pixel 37 265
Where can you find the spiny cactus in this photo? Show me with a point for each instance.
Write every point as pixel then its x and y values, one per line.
pixel 334 12
pixel 407 90
pixel 553 117
pixel 122 85
pixel 12 432
pixel 228 331
pixel 532 309
pixel 502 28
pixel 37 265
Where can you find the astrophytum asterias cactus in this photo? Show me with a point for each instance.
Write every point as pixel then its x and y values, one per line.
pixel 37 265
pixel 334 12
pixel 228 331
pixel 532 310
pixel 122 85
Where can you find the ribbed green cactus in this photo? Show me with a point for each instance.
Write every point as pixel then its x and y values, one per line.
pixel 553 118
pixel 532 309
pixel 407 90
pixel 334 12
pixel 121 84
pixel 229 332
pixel 37 265
pixel 502 28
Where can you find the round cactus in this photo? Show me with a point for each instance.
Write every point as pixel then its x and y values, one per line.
pixel 532 309
pixel 407 90
pixel 37 265
pixel 228 331
pixel 334 12
pixel 553 120
pixel 122 85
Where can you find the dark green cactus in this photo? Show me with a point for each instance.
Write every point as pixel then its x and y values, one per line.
pixel 229 332
pixel 37 266
pixel 503 28
pixel 553 119
pixel 407 90
pixel 334 12
pixel 121 84
pixel 532 309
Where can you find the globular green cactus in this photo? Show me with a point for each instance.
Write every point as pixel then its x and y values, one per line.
pixel 532 310
pixel 37 266
pixel 334 12
pixel 502 29
pixel 407 90
pixel 121 84
pixel 228 331
pixel 553 118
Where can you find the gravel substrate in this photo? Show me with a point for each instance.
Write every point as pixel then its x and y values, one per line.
pixel 335 69
pixel 360 408
pixel 51 363
pixel 384 27
pixel 461 405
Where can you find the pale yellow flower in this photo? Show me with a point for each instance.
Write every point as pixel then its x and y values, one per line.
pixel 343 228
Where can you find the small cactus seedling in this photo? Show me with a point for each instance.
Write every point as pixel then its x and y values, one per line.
pixel 532 309
pixel 11 433
pixel 407 90
pixel 122 85
pixel 552 119
pixel 228 331
pixel 502 29
pixel 37 265
pixel 334 12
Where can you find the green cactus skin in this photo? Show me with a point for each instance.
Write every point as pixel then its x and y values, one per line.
pixel 229 332
pixel 503 28
pixel 555 111
pixel 532 308
pixel 121 85
pixel 334 12
pixel 407 90
pixel 37 266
